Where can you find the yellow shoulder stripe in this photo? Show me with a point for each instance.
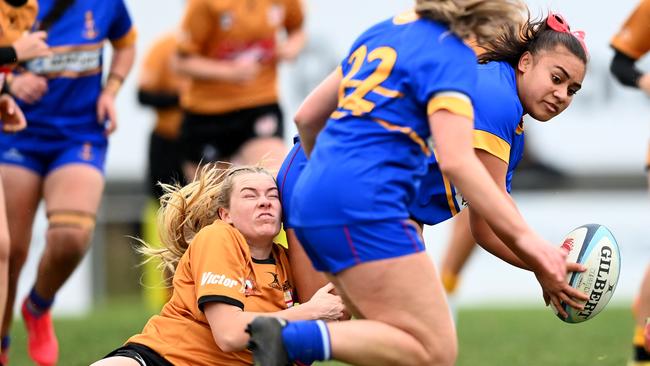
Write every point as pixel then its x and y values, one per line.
pixel 454 102
pixel 493 144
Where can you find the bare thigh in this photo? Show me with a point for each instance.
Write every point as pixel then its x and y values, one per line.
pixel 22 189
pixel 403 292
pixel 76 187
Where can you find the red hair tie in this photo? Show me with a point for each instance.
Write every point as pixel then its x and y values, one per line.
pixel 557 23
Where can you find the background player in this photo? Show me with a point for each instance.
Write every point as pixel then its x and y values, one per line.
pixel 630 44
pixel 230 53
pixel 60 155
pixel 16 44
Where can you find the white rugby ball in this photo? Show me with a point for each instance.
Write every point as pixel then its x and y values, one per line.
pixel 594 247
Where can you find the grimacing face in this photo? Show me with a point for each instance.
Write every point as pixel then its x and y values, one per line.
pixel 255 208
pixel 548 81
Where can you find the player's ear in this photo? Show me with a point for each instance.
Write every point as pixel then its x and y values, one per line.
pixel 224 214
pixel 525 62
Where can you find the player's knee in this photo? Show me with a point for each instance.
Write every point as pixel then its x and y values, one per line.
pixel 441 352
pixel 71 241
pixel 70 230
pixel 17 256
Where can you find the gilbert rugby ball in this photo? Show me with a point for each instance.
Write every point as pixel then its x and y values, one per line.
pixel 594 247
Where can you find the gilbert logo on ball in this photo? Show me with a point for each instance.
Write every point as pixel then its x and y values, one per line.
pixel 594 247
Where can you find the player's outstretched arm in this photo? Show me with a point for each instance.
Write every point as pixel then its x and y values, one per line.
pixel 453 140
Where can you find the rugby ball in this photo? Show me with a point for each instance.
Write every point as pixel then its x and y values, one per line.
pixel 594 247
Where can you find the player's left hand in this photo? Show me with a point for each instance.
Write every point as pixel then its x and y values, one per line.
pixel 106 114
pixel 12 117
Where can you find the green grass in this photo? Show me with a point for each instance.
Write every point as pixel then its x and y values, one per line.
pixel 488 337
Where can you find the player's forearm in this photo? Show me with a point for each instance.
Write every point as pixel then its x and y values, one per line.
pixel 229 331
pixel 121 64
pixel 486 238
pixel 203 68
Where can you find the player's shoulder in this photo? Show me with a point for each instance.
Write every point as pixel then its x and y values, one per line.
pixel 497 79
pixel 220 232
pixel 497 99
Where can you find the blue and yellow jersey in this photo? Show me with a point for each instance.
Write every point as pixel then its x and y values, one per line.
pixel 371 152
pixel 74 71
pixel 498 130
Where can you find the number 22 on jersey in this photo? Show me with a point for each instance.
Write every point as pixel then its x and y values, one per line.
pixel 355 102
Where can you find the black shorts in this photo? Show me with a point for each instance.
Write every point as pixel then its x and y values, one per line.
pixel 141 353
pixel 165 163
pixel 206 138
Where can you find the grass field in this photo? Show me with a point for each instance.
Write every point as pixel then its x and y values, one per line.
pixel 488 337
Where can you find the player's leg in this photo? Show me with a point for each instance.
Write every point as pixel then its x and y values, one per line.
pixel 22 192
pixel 72 193
pixel 401 319
pixel 407 320
pixel 393 290
pixel 641 352
pixel 459 248
pixel 306 278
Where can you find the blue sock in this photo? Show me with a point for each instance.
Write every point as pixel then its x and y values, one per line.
pixel 307 341
pixel 37 304
pixel 5 342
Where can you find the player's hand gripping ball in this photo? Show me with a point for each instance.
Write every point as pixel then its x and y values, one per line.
pixel 594 247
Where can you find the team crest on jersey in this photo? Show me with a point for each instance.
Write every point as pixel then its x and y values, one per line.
pixel 276 282
pixel 520 127
pixel 90 31
pixel 226 20
pixel 275 15
pixel 249 287
pixel 86 152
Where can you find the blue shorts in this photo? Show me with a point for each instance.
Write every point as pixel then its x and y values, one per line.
pixel 288 174
pixel 335 248
pixel 43 154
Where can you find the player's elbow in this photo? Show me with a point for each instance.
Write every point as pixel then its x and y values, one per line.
pixel 229 341
pixel 304 120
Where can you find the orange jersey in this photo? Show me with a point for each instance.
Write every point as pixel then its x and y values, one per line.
pixel 15 21
pixel 227 30
pixel 157 75
pixel 634 38
pixel 217 267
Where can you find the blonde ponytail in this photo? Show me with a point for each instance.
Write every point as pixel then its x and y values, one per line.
pixel 480 20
